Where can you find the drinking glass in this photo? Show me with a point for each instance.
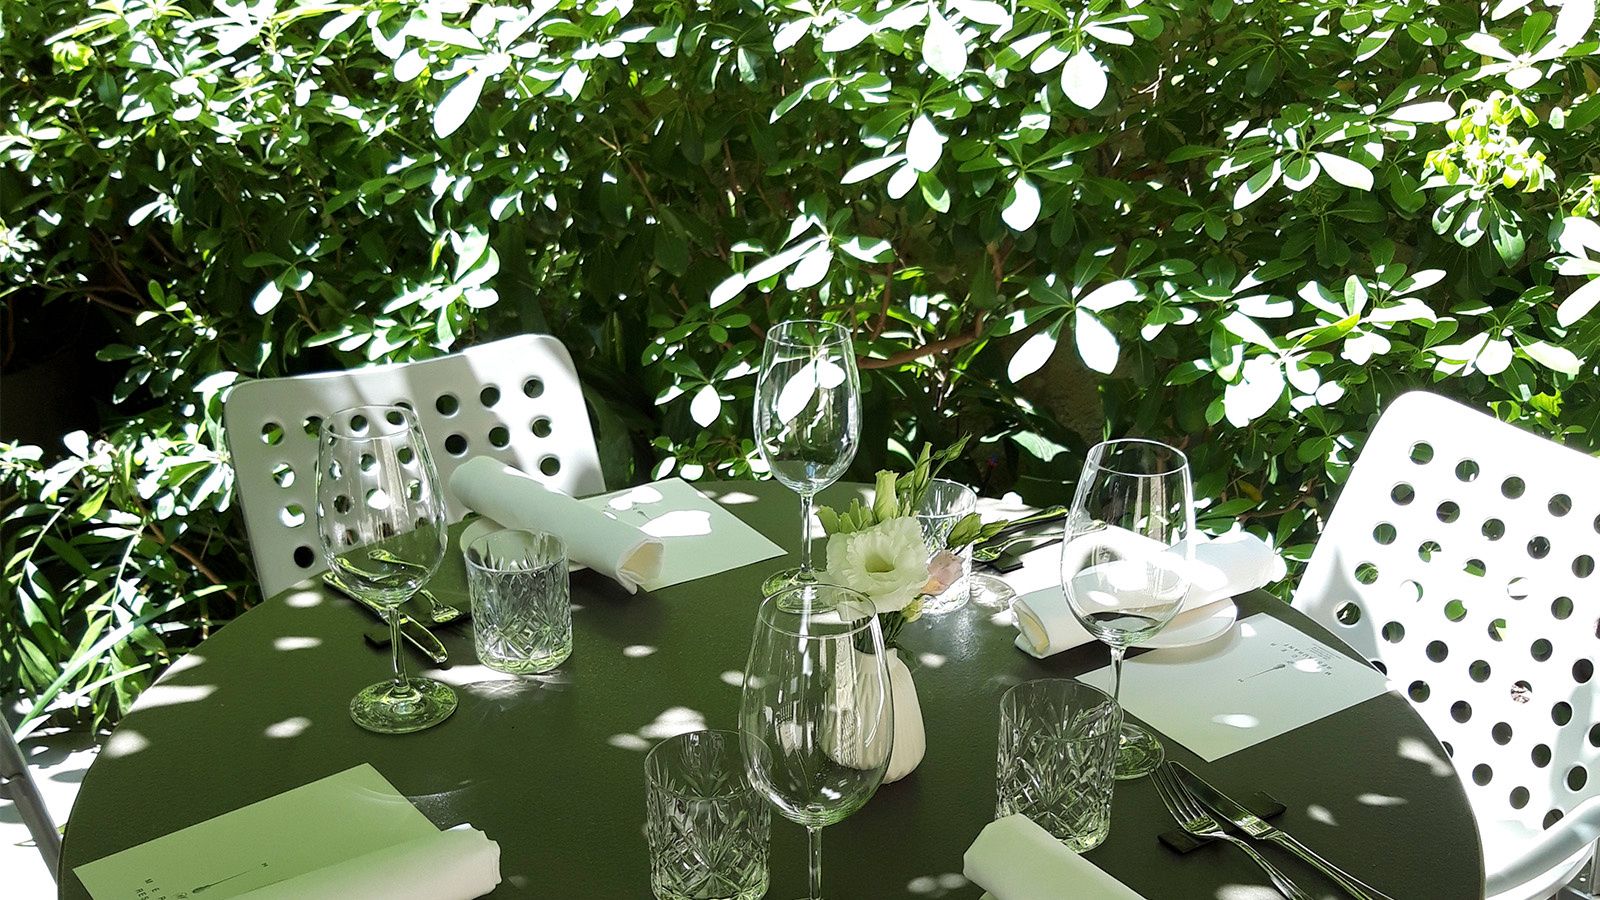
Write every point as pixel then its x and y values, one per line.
pixel 1127 558
pixel 807 418
pixel 943 505
pixel 706 826
pixel 521 601
pixel 816 718
pixel 381 523
pixel 1058 746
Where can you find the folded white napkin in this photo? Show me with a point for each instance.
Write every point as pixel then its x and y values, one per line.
pixel 458 864
pixel 1014 859
pixel 515 499
pixel 1223 567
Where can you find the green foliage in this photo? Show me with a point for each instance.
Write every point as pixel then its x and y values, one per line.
pixel 1256 221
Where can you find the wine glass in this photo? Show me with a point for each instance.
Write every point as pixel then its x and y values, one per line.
pixel 808 418
pixel 816 719
pixel 1127 559
pixel 381 522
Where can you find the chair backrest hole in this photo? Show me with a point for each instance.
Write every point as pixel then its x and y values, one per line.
pixel 1582 671
pixel 1594 735
pixel 1552 817
pixel 1403 494
pixel 1583 566
pixel 1467 470
pixel 1494 529
pixel 1517 588
pixel 1455 610
pixel 1512 488
pixel 1539 547
pixel 1577 777
pixel 1394 632
pixel 1438 651
pixel 533 387
pixel 447 404
pixel 304 557
pixel 550 465
pixel 1422 453
pixel 1561 713
pixel 489 396
pixel 1540 755
pixel 540 427
pixel 1427 549
pixel 283 475
pixel 1521 692
pixel 312 426
pixel 1561 608
pixel 455 444
pixel 272 434
pixel 292 516
pixel 1347 613
pixel 1418 691
pixel 1541 650
pixel 1501 733
pixel 1476 568
pixel 1461 711
pixel 1479 671
pixel 1519 797
pixel 1560 505
pixel 1448 512
pixel 1411 590
pixel 500 437
pixel 1497 630
pixel 1482 774
pixel 1366 573
pixel 1384 533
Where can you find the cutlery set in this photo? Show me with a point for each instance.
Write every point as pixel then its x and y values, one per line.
pixel 414 632
pixel 1206 813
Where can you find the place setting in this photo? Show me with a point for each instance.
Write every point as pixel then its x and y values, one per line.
pixel 829 718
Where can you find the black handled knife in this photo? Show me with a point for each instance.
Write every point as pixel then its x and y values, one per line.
pixel 410 629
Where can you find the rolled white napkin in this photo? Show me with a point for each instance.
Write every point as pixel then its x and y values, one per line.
pixel 458 864
pixel 1014 859
pixel 514 499
pixel 1223 568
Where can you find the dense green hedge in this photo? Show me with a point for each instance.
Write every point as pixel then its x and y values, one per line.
pixel 1251 224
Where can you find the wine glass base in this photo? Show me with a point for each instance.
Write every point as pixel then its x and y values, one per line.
pixel 992 592
pixel 1138 753
pixel 392 707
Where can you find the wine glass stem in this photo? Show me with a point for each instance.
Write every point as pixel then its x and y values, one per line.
pixel 394 646
pixel 814 839
pixel 1117 653
pixel 806 502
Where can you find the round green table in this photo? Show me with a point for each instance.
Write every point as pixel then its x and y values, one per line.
pixel 552 767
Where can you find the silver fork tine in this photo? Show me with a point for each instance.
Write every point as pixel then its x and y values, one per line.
pixel 1192 817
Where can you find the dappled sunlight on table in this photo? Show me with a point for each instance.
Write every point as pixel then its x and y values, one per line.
pixel 671 723
pixel 288 728
pixel 164 694
pixel 936 885
pixel 296 643
pixel 124 742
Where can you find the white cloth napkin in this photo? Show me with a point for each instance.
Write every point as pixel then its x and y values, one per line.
pixel 1223 567
pixel 1014 859
pixel 458 864
pixel 515 499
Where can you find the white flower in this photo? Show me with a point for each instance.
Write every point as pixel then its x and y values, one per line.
pixel 888 562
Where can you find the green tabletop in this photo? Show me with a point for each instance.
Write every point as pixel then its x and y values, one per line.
pixel 553 767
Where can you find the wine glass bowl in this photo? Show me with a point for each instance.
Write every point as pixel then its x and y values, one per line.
pixel 1127 559
pixel 807 417
pixel 816 717
pixel 381 524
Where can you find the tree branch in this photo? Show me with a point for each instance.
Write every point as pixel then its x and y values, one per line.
pixel 931 348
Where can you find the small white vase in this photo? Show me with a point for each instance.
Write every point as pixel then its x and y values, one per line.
pixel 910 741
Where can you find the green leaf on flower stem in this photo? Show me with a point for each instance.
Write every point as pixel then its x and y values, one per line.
pixel 1021 208
pixel 1257 185
pixel 1346 171
pixel 934 192
pixel 1084 80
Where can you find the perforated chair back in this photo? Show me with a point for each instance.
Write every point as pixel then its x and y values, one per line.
pixel 17 785
pixel 1460 559
pixel 517 400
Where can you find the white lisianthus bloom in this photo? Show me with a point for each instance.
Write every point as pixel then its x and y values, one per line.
pixel 888 562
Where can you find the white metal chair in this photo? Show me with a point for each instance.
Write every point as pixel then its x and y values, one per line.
pixel 1461 560
pixel 17 785
pixel 517 400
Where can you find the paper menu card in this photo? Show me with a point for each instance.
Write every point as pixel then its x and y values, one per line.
pixel 702 537
pixel 1264 679
pixel 315 827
